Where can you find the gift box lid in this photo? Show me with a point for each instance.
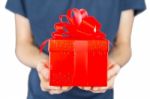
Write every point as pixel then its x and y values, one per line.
pixel 68 45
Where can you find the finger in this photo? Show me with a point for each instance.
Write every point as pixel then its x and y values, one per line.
pixel 43 88
pixel 43 64
pixel 104 89
pixel 43 70
pixel 96 88
pixel 99 89
pixel 44 85
pixel 46 64
pixel 111 83
pixel 55 87
pixel 39 67
pixel 113 71
pixel 45 73
pixel 110 63
pixel 55 91
pixel 66 88
pixel 87 88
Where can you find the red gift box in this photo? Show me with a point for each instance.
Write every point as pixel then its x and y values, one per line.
pixel 78 62
pixel 78 51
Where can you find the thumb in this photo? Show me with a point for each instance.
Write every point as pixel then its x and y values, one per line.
pixel 43 71
pixel 110 63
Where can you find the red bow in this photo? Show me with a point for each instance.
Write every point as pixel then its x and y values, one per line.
pixel 80 26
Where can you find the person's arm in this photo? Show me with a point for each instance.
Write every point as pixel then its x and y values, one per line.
pixel 121 51
pixel 29 55
pixel 25 50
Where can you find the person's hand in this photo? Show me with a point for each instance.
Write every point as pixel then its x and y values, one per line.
pixel 43 72
pixel 113 70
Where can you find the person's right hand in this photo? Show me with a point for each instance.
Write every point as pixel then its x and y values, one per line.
pixel 43 72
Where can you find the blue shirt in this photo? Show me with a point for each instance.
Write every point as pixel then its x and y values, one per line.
pixel 43 14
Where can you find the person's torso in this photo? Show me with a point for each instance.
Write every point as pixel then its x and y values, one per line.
pixel 43 14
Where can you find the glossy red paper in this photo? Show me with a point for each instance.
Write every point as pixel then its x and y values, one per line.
pixel 78 51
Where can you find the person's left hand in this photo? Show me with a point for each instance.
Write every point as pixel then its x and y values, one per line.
pixel 113 70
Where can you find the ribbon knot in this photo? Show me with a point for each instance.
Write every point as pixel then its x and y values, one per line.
pixel 79 26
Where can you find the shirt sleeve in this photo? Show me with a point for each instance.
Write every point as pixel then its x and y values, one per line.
pixel 16 6
pixel 137 5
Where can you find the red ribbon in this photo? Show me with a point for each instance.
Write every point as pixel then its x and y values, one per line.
pixel 80 26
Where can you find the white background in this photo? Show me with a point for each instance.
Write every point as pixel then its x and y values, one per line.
pixel 133 82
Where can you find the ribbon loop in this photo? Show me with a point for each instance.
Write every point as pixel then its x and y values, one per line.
pixel 79 26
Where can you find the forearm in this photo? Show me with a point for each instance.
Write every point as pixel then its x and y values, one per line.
pixel 121 54
pixel 29 55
